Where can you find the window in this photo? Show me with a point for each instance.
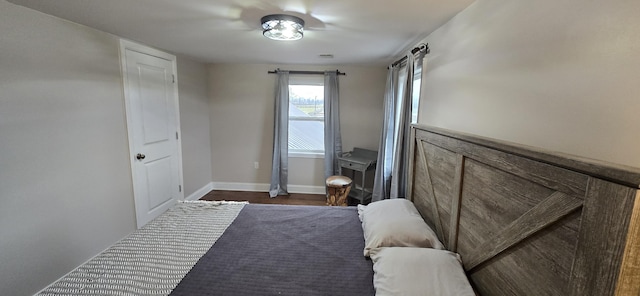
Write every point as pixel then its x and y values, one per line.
pixel 415 96
pixel 306 116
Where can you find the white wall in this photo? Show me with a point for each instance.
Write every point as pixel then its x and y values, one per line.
pixel 242 110
pixel 65 184
pixel 65 181
pixel 560 75
pixel 194 122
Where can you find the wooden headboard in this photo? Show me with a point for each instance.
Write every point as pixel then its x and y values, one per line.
pixel 526 221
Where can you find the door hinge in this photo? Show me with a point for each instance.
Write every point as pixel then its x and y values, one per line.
pixel 176 135
pixel 174 78
pixel 179 188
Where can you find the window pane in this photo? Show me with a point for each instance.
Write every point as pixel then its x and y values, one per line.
pixel 307 100
pixel 306 118
pixel 415 97
pixel 306 136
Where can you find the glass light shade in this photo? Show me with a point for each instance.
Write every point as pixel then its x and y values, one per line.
pixel 282 27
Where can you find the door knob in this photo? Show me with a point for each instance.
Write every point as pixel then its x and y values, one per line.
pixel 140 156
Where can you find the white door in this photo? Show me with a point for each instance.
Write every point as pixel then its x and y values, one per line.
pixel 153 126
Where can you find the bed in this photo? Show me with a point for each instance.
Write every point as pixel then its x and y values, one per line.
pixel 232 248
pixel 514 221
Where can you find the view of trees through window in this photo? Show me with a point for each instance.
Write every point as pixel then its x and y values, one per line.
pixel 308 99
pixel 306 118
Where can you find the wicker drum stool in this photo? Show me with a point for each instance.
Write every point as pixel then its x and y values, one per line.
pixel 338 188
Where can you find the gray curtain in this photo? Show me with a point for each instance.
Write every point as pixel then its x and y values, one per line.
pixel 280 162
pixel 332 136
pixel 393 151
pixel 402 137
pixel 384 163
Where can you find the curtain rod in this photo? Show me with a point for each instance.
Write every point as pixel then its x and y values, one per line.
pixel 419 48
pixel 305 72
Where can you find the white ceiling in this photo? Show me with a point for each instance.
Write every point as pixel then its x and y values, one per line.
pixel 371 32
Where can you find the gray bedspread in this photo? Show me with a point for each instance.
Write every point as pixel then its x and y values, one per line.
pixel 285 250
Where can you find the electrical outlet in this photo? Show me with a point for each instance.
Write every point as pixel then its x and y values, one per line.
pixel 256 165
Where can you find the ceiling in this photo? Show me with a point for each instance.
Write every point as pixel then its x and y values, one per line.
pixel 365 32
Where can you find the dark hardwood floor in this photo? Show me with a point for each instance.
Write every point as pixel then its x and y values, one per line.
pixel 263 198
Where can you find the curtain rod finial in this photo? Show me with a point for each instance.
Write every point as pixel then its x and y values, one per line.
pixel 424 47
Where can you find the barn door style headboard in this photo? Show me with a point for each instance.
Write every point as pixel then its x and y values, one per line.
pixel 527 221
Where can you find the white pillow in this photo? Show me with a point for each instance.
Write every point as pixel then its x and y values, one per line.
pixel 418 271
pixel 360 210
pixel 396 223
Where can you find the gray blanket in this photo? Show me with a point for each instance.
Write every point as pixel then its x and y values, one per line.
pixel 285 250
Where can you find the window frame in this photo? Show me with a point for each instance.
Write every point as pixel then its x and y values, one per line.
pixel 300 79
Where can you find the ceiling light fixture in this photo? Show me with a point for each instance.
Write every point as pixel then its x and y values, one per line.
pixel 282 27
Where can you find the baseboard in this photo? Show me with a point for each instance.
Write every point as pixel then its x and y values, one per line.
pixel 200 192
pixel 262 187
pixel 306 189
